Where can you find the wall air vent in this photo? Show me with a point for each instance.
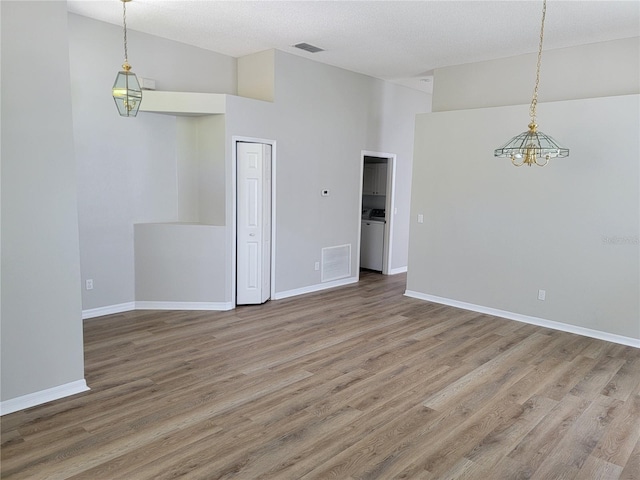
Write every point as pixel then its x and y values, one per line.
pixel 336 262
pixel 309 48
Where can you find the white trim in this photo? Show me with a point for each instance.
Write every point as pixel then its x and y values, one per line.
pixel 396 271
pixel 390 208
pixel 315 288
pixel 108 310
pixel 541 322
pixel 213 306
pixel 43 396
pixel 359 223
pixel 147 305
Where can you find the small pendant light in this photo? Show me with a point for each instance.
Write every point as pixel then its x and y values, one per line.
pixel 126 89
pixel 533 147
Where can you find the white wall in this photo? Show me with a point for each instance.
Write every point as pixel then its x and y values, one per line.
pixel 586 71
pixel 41 310
pixel 495 234
pixel 201 169
pixel 211 177
pixel 256 75
pixel 127 167
pixel 98 47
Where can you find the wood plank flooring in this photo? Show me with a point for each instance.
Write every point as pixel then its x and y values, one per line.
pixel 357 382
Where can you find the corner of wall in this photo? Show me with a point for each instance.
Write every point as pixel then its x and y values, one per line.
pixel 41 343
pixel 256 76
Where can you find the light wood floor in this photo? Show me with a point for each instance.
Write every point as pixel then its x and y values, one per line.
pixel 358 382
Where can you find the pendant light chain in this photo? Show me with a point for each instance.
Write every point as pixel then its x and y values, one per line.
pixel 534 100
pixel 533 147
pixel 124 23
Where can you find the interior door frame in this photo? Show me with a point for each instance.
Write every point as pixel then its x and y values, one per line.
pixel 389 206
pixel 235 139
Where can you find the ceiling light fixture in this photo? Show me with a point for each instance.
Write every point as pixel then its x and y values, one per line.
pixel 126 89
pixel 533 147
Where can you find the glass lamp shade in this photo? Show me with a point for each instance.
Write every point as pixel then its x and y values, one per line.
pixel 531 147
pixel 127 93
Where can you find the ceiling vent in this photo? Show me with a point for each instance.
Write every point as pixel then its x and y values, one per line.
pixel 309 48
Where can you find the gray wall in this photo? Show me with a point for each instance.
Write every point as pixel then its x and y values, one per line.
pixel 330 116
pixel 495 234
pixel 180 263
pixel 41 309
pixel 64 222
pixel 127 168
pixel 586 71
pixel 322 118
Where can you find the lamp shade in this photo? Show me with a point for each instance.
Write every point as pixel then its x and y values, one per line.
pixel 127 93
pixel 531 147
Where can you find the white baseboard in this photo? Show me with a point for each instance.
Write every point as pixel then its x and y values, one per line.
pixel 315 288
pixel 128 307
pixel 395 271
pixel 43 396
pixel 541 322
pixel 108 310
pixel 215 306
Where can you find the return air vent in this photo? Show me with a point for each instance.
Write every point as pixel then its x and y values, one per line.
pixel 309 48
pixel 336 262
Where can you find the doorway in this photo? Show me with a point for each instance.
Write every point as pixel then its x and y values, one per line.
pixel 253 225
pixel 377 207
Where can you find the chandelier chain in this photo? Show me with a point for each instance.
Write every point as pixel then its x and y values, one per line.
pixel 534 100
pixel 124 23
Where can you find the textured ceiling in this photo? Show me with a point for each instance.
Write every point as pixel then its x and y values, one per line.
pixel 401 41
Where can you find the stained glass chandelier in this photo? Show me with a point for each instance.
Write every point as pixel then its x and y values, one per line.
pixel 533 147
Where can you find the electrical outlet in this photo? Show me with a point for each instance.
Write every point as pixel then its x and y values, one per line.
pixel 317 266
pixel 88 284
pixel 420 218
pixel 542 294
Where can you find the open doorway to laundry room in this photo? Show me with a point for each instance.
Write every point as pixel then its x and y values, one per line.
pixel 377 206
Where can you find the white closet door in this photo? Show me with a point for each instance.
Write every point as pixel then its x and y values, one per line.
pixel 253 267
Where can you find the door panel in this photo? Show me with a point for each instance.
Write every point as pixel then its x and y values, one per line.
pixel 252 202
pixel 253 259
pixel 253 262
